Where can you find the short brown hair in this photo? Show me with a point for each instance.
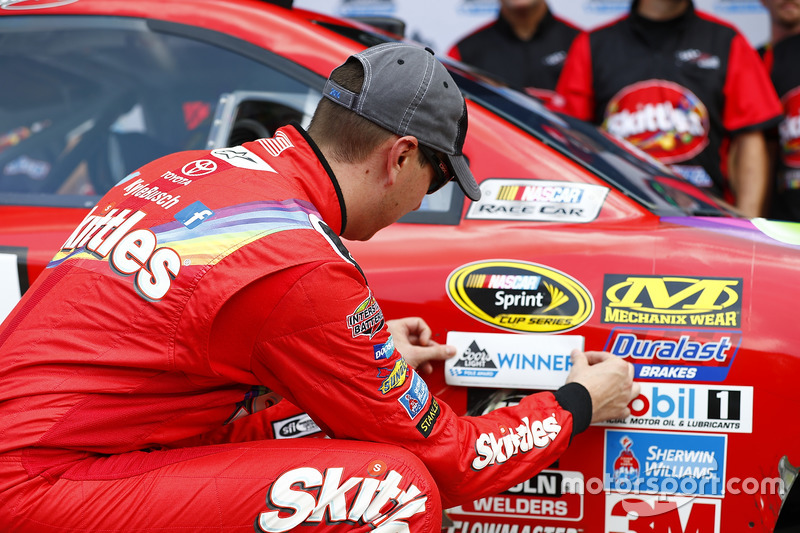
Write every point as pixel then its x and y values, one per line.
pixel 349 137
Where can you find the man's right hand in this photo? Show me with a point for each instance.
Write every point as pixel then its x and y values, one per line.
pixel 609 381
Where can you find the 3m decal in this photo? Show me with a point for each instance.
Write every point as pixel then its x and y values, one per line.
pixel 715 408
pixel 676 354
pixel 550 495
pixel 505 360
pixel 490 450
pixel 665 462
pixel 627 513
pixel 520 296
pixel 672 301
pixel 306 496
pixel 428 420
pixel 416 397
pixel 294 427
pixel 534 200
pixel 367 319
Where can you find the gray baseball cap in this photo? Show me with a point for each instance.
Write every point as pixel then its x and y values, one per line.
pixel 409 92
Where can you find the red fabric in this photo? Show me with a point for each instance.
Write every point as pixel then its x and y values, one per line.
pixel 575 85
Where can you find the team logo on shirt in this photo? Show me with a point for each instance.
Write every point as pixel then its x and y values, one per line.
pixel 790 129
pixel 664 119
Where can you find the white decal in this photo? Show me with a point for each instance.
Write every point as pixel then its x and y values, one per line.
pixel 527 436
pixel 241 157
pixel 10 291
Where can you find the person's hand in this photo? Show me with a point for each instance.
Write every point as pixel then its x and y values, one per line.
pixel 412 337
pixel 609 380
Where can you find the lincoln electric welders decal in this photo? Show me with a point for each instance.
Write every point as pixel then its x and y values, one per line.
pixel 672 301
pixel 520 296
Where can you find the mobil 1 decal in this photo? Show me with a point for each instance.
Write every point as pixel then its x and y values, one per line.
pixel 520 296
pixel 673 406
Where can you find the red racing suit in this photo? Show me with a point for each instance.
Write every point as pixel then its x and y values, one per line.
pixel 138 374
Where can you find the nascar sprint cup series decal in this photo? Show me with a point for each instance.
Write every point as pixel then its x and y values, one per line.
pixel 520 296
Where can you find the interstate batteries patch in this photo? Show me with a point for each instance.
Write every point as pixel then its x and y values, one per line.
pixel 520 296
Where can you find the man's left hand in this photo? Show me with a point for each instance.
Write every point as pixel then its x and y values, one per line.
pixel 412 336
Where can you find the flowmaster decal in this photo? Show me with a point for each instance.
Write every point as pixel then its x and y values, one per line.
pixel 539 201
pixel 505 360
pixel 520 296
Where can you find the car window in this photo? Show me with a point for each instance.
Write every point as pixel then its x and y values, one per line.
pixel 87 100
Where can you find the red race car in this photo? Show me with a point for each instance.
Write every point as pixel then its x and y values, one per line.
pixel 578 240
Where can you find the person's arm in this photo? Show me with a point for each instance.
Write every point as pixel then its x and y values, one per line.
pixel 749 173
pixel 324 348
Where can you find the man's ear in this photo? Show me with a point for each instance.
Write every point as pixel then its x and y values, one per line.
pixel 402 152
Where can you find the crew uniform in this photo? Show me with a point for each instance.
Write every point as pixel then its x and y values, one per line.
pixel 533 64
pixel 137 374
pixel 677 89
pixel 781 60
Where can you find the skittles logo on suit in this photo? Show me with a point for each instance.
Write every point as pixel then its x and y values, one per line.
pixel 664 119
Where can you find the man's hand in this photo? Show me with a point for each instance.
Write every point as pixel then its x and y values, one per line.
pixel 412 337
pixel 609 381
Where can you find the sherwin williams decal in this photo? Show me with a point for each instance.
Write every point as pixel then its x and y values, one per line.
pixel 672 301
pixel 540 201
pixel 690 464
pixel 520 296
pixel 676 354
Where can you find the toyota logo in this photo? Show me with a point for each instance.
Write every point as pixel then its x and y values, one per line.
pixel 201 167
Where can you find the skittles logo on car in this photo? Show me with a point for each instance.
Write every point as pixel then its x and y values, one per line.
pixel 520 296
pixel 662 118
pixel 790 129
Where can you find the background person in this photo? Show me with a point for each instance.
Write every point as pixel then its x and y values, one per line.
pixel 684 87
pixel 525 46
pixel 137 373
pixel 780 56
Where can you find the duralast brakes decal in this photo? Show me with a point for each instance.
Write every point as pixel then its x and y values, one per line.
pixel 672 301
pixel 676 354
pixel 520 296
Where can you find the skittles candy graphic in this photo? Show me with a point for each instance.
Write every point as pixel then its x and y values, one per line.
pixel 664 119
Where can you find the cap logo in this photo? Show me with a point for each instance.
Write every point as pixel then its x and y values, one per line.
pixel 336 94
